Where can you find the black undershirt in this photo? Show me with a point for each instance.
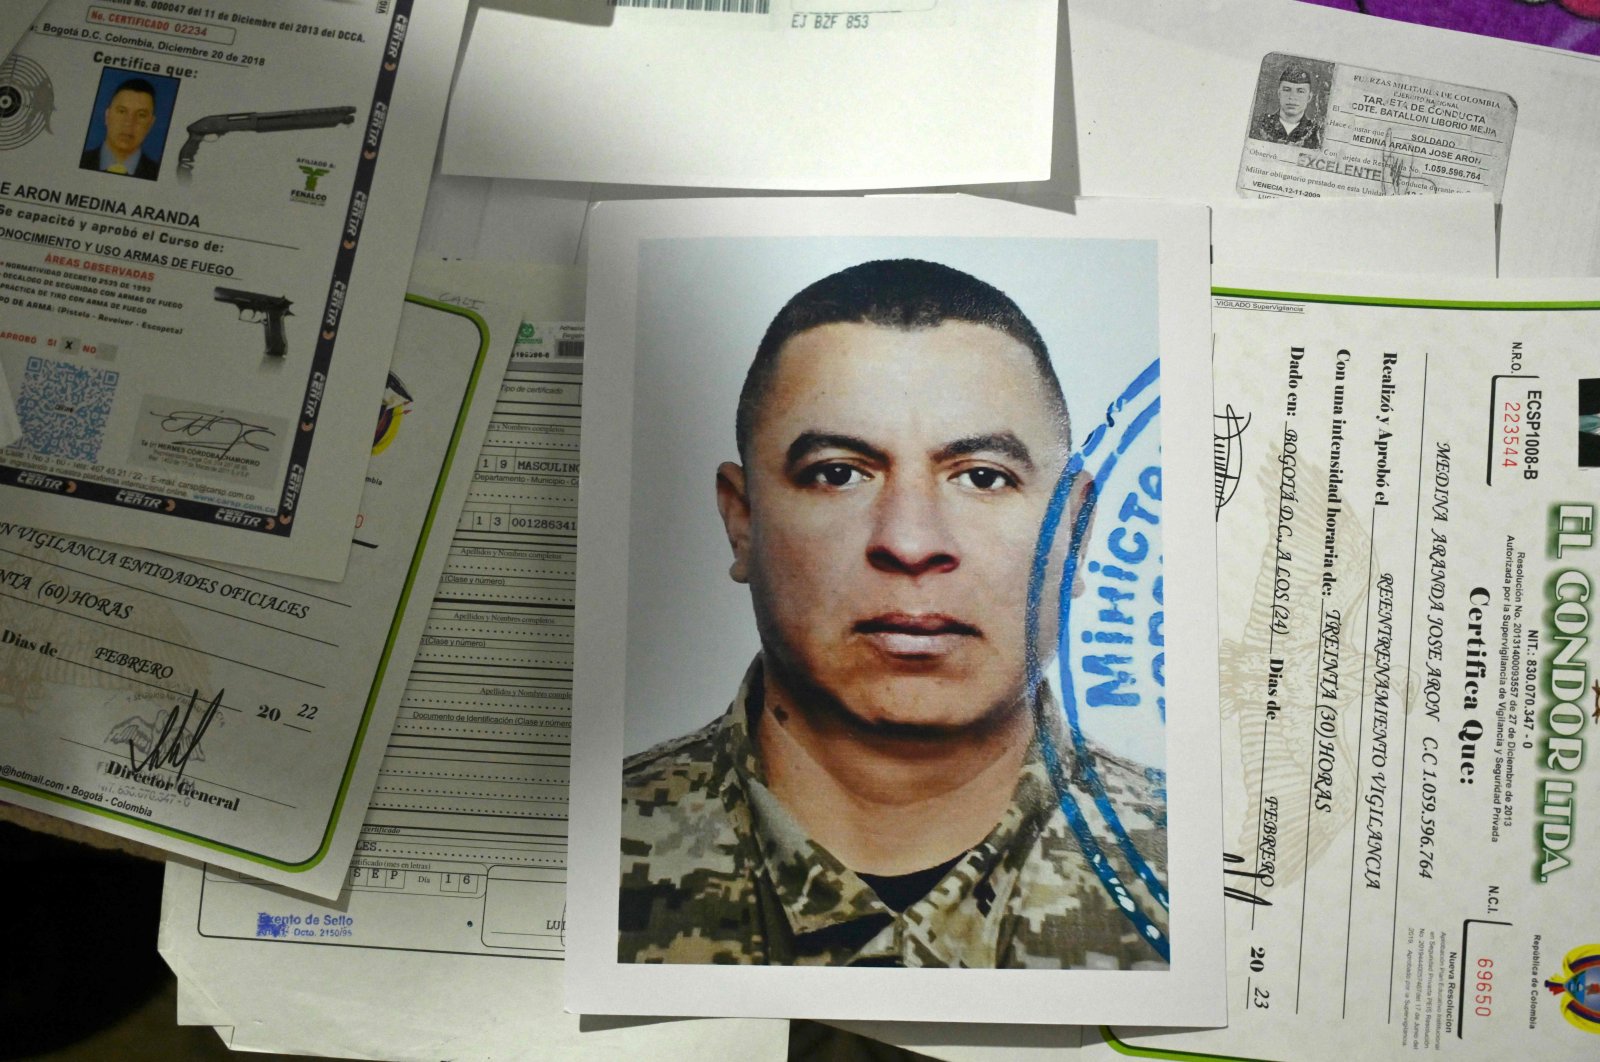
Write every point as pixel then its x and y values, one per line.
pixel 900 891
pixel 897 891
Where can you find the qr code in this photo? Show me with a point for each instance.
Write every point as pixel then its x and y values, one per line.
pixel 63 409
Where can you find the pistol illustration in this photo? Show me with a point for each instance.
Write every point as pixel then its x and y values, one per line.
pixel 212 126
pixel 269 310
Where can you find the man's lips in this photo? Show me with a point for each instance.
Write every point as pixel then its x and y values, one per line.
pixel 915 633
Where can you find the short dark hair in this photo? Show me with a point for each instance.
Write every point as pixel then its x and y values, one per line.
pixel 904 293
pixel 134 84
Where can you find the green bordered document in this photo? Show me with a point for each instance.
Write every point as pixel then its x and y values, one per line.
pixel 1407 477
pixel 229 714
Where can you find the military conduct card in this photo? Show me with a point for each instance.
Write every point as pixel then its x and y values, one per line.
pixel 889 675
pixel 1321 129
pixel 1406 525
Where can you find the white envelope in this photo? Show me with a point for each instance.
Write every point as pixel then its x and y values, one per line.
pixel 1417 235
pixel 487 219
pixel 1164 95
pixel 806 94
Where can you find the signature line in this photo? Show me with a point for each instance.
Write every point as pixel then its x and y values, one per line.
pixel 207 781
pixel 167 641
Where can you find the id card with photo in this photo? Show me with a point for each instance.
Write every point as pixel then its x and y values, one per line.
pixel 1318 129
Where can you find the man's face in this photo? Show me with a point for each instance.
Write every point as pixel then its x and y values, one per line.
pixel 1293 99
pixel 887 519
pixel 128 121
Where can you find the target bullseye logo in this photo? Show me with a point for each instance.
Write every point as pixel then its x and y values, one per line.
pixel 27 100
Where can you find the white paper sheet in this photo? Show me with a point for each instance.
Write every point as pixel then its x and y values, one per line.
pixel 15 18
pixel 401 1005
pixel 1435 235
pixel 1164 98
pixel 685 626
pixel 230 714
pixel 458 878
pixel 810 94
pixel 543 221
pixel 280 171
pixel 485 218
pixel 1406 800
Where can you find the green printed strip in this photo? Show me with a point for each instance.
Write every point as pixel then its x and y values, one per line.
pixel 445 466
pixel 1153 1052
pixel 1411 304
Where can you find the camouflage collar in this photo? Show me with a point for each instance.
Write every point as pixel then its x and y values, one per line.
pixel 832 914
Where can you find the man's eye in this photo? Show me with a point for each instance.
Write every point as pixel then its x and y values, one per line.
pixel 834 474
pixel 985 479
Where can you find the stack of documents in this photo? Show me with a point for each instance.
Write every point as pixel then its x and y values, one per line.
pixel 179 667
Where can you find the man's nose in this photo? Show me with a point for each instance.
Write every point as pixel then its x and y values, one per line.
pixel 911 532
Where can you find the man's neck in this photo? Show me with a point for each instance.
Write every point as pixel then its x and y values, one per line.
pixel 889 803
pixel 1288 126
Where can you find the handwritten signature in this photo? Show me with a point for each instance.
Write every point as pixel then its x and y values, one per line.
pixel 175 742
pixel 1227 454
pixel 213 432
pixel 1399 172
pixel 1231 860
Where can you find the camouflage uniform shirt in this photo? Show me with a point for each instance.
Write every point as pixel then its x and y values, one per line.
pixel 1306 133
pixel 715 870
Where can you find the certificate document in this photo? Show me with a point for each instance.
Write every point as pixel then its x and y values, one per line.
pixel 1406 507
pixel 207 216
pixel 230 714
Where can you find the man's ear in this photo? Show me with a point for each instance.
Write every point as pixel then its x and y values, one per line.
pixel 1084 493
pixel 734 504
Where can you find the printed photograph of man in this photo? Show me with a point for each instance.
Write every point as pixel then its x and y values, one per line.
pixel 890 786
pixel 1589 423
pixel 1292 115
pixel 129 125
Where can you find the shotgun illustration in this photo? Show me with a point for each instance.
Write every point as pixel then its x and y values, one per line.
pixel 213 126
pixel 269 310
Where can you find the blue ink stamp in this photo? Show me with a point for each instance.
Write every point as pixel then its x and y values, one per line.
pixel 1109 614
pixel 271 925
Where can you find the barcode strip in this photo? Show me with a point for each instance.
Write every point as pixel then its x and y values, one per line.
pixel 724 7
pixel 571 348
